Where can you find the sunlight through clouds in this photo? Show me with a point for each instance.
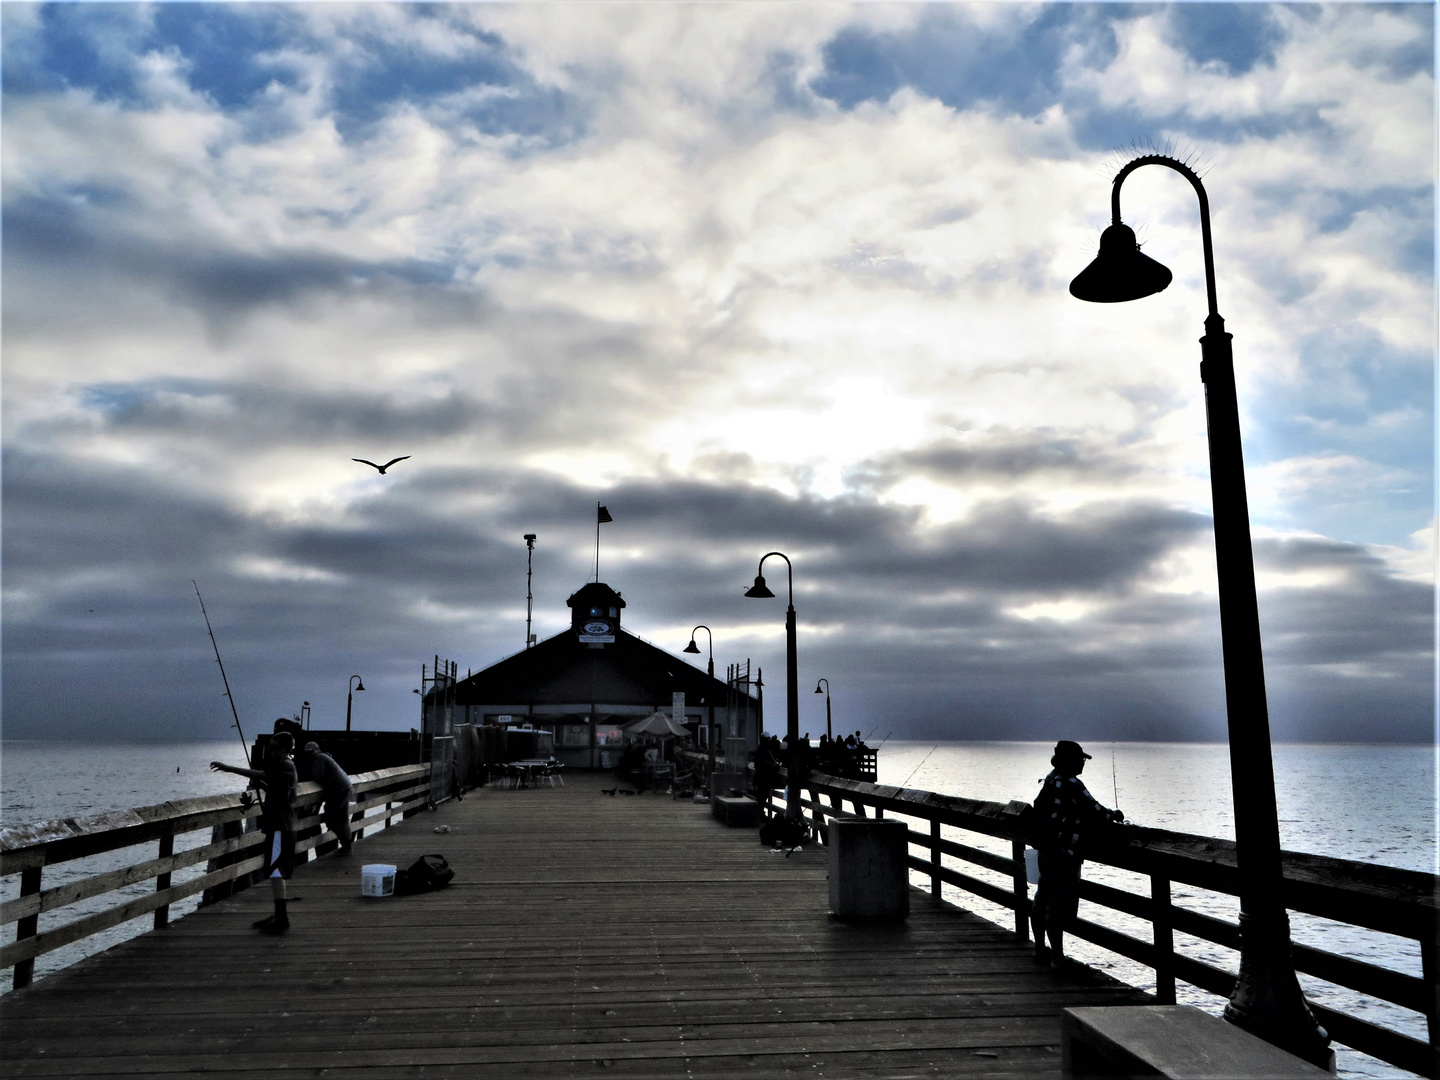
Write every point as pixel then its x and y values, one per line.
pixel 756 276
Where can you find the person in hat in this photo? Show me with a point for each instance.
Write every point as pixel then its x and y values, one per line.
pixel 335 786
pixel 278 821
pixel 1064 814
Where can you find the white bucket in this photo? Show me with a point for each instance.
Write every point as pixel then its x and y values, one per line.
pixel 377 879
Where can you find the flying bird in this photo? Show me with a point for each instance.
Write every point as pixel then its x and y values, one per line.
pixel 382 468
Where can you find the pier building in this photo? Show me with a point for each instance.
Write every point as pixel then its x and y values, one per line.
pixel 586 682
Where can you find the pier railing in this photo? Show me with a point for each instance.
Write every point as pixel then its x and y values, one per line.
pixel 1387 899
pixel 381 798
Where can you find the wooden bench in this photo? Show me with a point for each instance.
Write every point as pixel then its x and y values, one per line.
pixel 1174 1041
pixel 736 810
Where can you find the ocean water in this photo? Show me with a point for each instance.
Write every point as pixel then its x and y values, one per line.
pixel 1362 802
pixel 1368 803
pixel 40 781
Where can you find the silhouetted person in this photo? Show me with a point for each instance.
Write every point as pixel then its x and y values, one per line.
pixel 767 766
pixel 1065 814
pixel 278 781
pixel 335 786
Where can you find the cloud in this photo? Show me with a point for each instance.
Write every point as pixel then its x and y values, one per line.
pixel 779 276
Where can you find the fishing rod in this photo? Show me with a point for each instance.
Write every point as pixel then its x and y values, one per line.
pixel 922 762
pixel 228 696
pixel 1114 784
pixel 884 740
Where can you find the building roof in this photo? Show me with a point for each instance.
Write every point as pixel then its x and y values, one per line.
pixel 563 670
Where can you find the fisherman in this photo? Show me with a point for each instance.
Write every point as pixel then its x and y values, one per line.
pixel 335 786
pixel 277 781
pixel 1065 814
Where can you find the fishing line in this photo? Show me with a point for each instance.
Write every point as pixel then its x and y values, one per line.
pixel 228 697
pixel 917 767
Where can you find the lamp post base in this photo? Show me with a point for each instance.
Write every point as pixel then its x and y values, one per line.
pixel 1268 1001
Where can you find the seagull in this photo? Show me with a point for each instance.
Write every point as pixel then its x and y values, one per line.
pixel 382 468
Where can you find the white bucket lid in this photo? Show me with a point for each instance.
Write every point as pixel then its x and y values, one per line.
pixel 377 869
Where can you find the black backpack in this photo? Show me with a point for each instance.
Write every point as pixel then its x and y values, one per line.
pixel 426 874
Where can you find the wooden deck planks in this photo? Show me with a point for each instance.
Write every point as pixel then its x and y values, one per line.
pixel 584 935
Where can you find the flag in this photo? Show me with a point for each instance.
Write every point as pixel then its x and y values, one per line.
pixel 602 515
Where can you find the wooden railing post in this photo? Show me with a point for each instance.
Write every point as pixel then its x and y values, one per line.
pixel 819 816
pixel 27 927
pixel 935 859
pixel 860 808
pixel 1164 937
pixel 1021 887
pixel 162 881
pixel 1431 974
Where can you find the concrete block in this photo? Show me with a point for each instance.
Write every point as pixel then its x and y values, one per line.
pixel 869 869
pixel 737 811
pixel 1174 1041
pixel 727 783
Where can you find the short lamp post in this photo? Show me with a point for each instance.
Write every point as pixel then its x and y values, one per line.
pixel 709 694
pixel 1267 999
pixel 759 591
pixel 828 733
pixel 352 685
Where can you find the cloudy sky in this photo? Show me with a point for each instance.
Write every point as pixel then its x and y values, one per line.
pixel 755 276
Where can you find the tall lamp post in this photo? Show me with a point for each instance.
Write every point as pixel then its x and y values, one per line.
pixel 759 591
pixel 710 670
pixel 529 596
pixel 828 733
pixel 1267 999
pixel 353 684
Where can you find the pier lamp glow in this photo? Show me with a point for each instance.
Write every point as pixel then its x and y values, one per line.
pixel 828 733
pixel 352 686
pixel 1267 1000
pixel 710 670
pixel 759 591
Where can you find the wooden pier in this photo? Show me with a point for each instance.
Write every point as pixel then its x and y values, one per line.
pixel 584 935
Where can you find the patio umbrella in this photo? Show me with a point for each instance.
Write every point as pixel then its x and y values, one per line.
pixel 658 725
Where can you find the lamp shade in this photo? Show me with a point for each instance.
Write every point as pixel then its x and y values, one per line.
pixel 692 647
pixel 359 685
pixel 759 591
pixel 1120 272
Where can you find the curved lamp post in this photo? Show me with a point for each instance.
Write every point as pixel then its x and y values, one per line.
pixel 353 684
pixel 759 591
pixel 1267 999
pixel 710 670
pixel 828 733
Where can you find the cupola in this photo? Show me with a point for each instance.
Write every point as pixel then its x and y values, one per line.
pixel 595 613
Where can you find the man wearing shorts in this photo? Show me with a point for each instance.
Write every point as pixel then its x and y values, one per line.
pixel 277 781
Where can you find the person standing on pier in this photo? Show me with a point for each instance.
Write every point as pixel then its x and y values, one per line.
pixel 278 781
pixel 335 785
pixel 1065 814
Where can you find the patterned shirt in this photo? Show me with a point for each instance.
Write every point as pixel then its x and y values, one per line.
pixel 1065 810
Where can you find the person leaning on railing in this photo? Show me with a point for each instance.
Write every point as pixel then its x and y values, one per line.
pixel 1065 813
pixel 319 767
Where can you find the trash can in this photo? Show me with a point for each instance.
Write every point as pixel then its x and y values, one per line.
pixel 869 869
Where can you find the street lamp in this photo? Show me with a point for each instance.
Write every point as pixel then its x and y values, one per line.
pixel 759 591
pixel 352 684
pixel 1267 1000
pixel 529 595
pixel 828 733
pixel 709 694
